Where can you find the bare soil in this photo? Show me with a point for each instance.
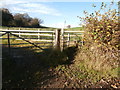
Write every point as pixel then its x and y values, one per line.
pixel 28 70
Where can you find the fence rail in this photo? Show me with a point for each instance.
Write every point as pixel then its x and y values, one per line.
pixel 58 37
pixel 32 31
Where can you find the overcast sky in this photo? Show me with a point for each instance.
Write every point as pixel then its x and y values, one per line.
pixel 54 14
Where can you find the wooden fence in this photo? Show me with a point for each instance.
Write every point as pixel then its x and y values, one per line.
pixel 59 38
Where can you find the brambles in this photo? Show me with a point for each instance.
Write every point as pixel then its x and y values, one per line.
pixel 102 36
pixel 101 28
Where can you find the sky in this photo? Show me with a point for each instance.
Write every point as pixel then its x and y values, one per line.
pixel 54 14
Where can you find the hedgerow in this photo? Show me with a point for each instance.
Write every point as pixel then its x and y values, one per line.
pixel 102 41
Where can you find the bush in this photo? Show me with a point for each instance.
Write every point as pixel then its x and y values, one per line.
pixel 102 28
pixel 102 36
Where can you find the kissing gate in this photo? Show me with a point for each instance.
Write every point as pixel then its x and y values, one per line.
pixel 60 38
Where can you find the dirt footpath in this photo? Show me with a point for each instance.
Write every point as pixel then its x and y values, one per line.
pixel 24 68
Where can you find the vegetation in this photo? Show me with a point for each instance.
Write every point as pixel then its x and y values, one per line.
pixel 26 28
pixel 96 62
pixel 99 56
pixel 19 20
pixel 77 28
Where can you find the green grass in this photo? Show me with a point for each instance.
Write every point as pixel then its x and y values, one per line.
pixel 49 28
pixel 77 29
pixel 21 28
pixel 81 72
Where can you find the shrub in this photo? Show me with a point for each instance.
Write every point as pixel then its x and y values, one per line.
pixel 102 28
pixel 102 36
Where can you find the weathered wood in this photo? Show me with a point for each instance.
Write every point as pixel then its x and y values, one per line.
pixel 19 33
pixel 27 41
pixel 68 41
pixel 2 34
pixel 30 31
pixel 57 39
pixel 62 39
pixel 33 34
pixel 4 30
pixel 35 39
pixel 38 35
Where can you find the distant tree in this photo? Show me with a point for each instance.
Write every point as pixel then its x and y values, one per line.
pixel 68 26
pixel 35 22
pixel 7 17
pixel 41 21
pixel 19 20
pixel 27 18
pixel 22 20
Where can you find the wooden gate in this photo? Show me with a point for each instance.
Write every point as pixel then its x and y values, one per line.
pixel 60 38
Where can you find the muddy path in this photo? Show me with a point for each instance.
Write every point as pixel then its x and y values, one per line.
pixel 25 68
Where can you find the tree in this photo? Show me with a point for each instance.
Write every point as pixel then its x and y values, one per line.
pixel 19 20
pixel 7 17
pixel 35 22
pixel 24 20
pixel 68 26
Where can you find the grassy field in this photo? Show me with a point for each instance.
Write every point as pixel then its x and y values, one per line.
pixel 21 28
pixel 77 29
pixel 49 28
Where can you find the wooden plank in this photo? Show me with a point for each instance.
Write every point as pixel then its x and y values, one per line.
pixel 7 38
pixel 3 30
pixel 34 34
pixel 42 40
pixel 2 34
pixel 45 34
pixel 31 31
pixel 27 41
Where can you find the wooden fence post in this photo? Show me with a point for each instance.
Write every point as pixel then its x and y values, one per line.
pixel 19 32
pixel 62 39
pixel 52 39
pixel 57 39
pixel 38 35
pixel 8 34
pixel 68 41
